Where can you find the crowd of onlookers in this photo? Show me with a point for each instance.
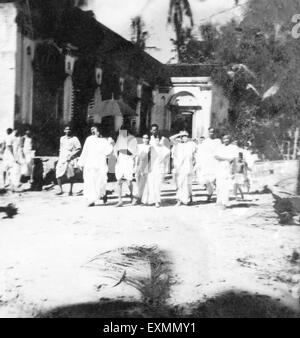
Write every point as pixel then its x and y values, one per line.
pixel 16 158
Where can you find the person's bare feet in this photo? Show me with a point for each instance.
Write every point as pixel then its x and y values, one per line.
pixel 134 201
pixel 119 204
pixel 209 198
pixel 59 193
pixel 92 204
pixel 105 199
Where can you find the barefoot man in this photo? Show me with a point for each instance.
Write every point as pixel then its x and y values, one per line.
pixel 68 152
pixel 207 162
pixel 126 150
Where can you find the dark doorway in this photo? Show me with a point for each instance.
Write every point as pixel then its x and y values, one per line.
pixel 182 122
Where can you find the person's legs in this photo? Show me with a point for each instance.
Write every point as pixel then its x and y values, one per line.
pixel 210 190
pixel 71 186
pixel 235 190
pixel 119 192
pixel 59 182
pixel 130 187
pixel 226 192
pixel 241 192
pixel 190 188
pixel 4 178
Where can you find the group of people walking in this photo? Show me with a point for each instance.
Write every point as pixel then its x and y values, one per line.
pixel 17 158
pixel 217 164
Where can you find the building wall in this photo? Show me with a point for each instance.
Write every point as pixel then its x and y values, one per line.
pixel 159 111
pixel 8 31
pixel 24 79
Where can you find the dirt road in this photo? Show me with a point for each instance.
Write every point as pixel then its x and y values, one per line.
pixel 60 258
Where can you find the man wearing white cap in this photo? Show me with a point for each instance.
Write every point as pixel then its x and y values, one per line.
pixel 93 161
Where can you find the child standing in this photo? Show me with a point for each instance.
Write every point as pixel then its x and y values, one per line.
pixel 239 171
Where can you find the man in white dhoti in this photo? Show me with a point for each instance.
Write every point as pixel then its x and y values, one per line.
pixel 93 161
pixel 68 153
pixel 8 157
pixel 183 156
pixel 152 191
pixel 226 153
pixel 206 162
pixel 142 166
pixel 125 151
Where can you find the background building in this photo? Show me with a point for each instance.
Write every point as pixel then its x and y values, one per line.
pixel 67 68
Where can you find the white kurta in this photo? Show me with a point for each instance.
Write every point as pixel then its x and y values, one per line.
pixel 183 155
pixel 206 162
pixel 152 190
pixel 68 145
pixel 224 174
pixel 93 159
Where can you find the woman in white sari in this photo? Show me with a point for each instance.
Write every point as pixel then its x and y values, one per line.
pixel 93 160
pixel 142 166
pixel 152 191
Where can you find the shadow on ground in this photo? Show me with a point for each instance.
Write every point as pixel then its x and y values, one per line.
pixel 149 270
pixel 230 304
pixel 10 210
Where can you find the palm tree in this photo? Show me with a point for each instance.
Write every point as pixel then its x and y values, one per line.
pixel 178 10
pixel 138 33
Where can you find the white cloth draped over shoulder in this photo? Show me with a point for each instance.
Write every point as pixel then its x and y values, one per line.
pixel 142 168
pixel 93 160
pixel 152 190
pixel 206 162
pixel 68 147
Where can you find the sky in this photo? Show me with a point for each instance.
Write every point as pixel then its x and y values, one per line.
pixel 117 14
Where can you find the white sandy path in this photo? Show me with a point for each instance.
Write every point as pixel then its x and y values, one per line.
pixel 44 248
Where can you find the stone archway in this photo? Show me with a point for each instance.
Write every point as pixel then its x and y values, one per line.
pixel 182 105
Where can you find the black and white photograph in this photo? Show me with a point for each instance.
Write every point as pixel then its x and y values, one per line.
pixel 149 160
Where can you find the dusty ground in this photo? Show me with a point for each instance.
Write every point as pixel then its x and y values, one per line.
pixel 60 258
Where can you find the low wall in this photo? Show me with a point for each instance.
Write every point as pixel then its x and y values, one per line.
pixel 281 175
